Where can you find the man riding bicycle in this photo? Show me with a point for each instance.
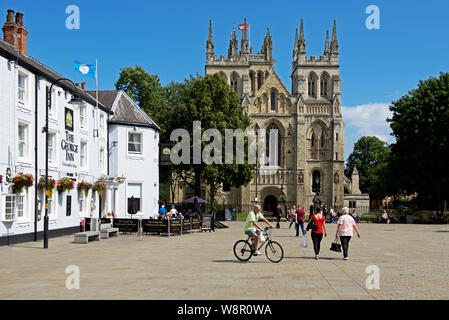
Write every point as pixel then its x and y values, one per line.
pixel 252 229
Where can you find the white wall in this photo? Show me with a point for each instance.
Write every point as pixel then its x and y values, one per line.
pixel 12 113
pixel 142 169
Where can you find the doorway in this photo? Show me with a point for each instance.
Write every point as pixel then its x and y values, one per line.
pixel 270 204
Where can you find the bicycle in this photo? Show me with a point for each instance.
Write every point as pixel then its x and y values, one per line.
pixel 243 249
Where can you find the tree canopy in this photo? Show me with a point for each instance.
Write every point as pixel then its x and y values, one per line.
pixel 368 154
pixel 420 123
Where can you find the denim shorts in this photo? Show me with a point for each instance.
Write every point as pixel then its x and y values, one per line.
pixel 252 232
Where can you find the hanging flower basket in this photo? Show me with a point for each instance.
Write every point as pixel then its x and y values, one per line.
pixel 1 179
pixel 84 186
pixel 21 181
pixel 65 184
pixel 51 185
pixel 100 187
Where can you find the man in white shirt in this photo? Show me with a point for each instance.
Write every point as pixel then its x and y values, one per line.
pixel 173 212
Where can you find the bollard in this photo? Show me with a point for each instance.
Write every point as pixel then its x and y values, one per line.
pixel 168 227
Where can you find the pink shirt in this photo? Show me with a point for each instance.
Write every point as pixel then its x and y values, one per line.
pixel 347 225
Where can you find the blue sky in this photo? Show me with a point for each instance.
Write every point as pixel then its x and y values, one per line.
pixel 168 38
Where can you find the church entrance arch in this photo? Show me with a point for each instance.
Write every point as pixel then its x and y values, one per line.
pixel 270 203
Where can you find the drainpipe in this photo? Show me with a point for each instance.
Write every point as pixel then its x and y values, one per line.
pixel 36 154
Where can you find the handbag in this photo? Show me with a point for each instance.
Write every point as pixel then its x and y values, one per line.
pixel 312 225
pixel 336 245
pixel 303 242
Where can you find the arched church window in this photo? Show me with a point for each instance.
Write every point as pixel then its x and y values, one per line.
pixel 316 181
pixel 273 101
pixel 259 80
pixel 235 83
pixel 273 146
pixel 322 141
pixel 313 140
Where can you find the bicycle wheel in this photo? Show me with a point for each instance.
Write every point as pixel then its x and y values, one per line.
pixel 274 251
pixel 243 250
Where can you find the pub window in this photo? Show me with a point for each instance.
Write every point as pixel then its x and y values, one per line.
pixel 52 147
pixel 21 88
pixel 9 211
pixel 83 155
pixel 22 142
pixel 134 142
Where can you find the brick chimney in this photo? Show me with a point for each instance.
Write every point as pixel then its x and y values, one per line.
pixel 14 31
pixel 83 86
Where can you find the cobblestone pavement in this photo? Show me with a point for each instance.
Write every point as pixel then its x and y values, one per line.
pixel 413 263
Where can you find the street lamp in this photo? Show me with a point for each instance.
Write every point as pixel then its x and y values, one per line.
pixel 74 101
pixel 257 163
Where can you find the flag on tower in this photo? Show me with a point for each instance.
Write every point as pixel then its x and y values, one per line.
pixel 242 26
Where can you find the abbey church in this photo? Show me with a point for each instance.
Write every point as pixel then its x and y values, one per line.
pixel 309 157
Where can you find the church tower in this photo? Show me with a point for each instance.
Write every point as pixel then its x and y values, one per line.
pixel 309 158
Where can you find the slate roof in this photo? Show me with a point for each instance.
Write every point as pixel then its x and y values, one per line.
pixel 9 52
pixel 125 110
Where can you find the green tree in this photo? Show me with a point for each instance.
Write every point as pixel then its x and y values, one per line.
pixel 368 154
pixel 211 101
pixel 420 123
pixel 146 90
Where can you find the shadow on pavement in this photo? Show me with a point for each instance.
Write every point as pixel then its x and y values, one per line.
pixel 312 258
pixel 237 261
pixel 442 231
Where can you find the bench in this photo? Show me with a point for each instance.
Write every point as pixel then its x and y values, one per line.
pixel 107 231
pixel 86 236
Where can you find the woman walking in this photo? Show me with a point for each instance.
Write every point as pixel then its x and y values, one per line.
pixel 317 235
pixel 346 225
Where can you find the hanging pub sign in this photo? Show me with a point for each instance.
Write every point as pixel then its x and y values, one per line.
pixel 68 119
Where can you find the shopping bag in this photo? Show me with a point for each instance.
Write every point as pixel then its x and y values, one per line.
pixel 336 245
pixel 303 242
pixel 261 237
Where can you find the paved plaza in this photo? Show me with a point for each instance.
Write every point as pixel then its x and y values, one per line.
pixel 413 263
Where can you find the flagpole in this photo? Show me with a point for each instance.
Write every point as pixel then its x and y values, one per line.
pixel 96 82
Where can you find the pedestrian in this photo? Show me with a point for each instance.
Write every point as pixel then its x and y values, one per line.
pixel 339 214
pixel 162 212
pixel 292 216
pixel 300 217
pixel 385 218
pixel 317 235
pixel 333 216
pixel 278 214
pixel 346 225
pixel 325 212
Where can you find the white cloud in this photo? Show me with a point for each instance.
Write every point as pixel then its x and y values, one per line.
pixel 368 120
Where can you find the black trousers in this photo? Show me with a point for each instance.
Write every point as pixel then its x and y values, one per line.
pixel 278 221
pixel 316 239
pixel 345 244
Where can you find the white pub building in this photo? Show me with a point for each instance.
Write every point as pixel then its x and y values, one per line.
pixel 111 142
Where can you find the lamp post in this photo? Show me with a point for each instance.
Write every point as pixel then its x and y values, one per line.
pixel 257 164
pixel 74 101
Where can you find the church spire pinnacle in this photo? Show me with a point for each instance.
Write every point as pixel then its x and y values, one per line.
pixel 210 44
pixel 233 45
pixel 295 47
pixel 326 44
pixel 244 44
pixel 334 43
pixel 267 48
pixel 302 41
